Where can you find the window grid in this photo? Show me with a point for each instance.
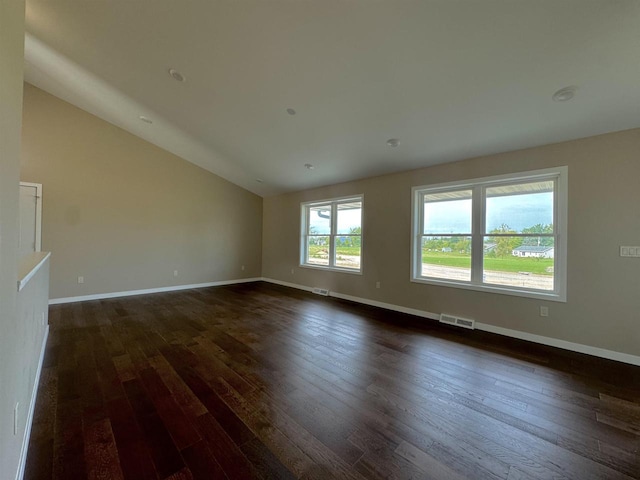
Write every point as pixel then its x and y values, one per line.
pixel 333 206
pixel 477 279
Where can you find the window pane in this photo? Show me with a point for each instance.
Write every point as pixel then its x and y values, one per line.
pixel 349 218
pixel 519 261
pixel 446 257
pixel 521 208
pixel 318 250
pixel 320 220
pixel 447 212
pixel 348 251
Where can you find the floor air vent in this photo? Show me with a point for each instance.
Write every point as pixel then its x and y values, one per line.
pixel 321 291
pixel 457 321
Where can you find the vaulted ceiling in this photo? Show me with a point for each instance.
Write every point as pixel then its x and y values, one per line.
pixel 451 79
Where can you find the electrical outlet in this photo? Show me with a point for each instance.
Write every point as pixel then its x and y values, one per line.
pixel 292 271
pixel 377 284
pixel 80 279
pixel 242 268
pixel 43 319
pixel 544 311
pixel 175 273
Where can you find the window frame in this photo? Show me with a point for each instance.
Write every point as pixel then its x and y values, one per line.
pixel 333 204
pixel 478 221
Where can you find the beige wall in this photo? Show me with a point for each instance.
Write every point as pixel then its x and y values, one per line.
pixel 603 307
pixel 19 339
pixel 125 214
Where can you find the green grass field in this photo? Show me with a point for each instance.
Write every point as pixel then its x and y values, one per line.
pixel 504 264
pixel 540 266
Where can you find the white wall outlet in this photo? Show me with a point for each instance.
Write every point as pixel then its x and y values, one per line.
pixel 175 273
pixel 292 271
pixel 80 279
pixel 377 284
pixel 242 268
pixel 544 311
pixel 16 411
pixel 43 319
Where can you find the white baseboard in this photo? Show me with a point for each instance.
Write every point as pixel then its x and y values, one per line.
pixel 555 342
pixel 531 337
pixel 388 306
pixel 32 407
pixel 130 293
pixel 287 284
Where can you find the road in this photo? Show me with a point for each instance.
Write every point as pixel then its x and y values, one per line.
pixel 511 279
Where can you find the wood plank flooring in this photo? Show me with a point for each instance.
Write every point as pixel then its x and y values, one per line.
pixel 265 382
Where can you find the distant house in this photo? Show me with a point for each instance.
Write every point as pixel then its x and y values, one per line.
pixel 490 247
pixel 533 251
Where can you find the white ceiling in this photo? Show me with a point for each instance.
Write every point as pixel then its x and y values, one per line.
pixel 451 79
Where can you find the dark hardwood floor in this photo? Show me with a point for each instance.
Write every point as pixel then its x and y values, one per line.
pixel 261 381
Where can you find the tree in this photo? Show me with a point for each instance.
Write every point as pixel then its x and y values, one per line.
pixel 352 239
pixel 504 244
pixel 539 241
pixel 462 245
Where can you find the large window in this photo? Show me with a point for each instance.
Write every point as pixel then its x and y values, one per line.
pixel 332 234
pixel 503 234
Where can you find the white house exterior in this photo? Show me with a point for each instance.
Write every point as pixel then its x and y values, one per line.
pixel 533 251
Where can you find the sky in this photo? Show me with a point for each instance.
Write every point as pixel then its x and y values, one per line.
pixel 347 219
pixel 516 211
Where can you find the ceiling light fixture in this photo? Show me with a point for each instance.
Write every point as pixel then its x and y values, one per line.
pixel 145 119
pixel 564 94
pixel 393 142
pixel 291 111
pixel 176 75
pixel 308 166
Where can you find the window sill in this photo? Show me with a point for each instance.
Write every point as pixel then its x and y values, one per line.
pixel 496 289
pixel 331 269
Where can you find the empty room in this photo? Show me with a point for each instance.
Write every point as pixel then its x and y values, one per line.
pixel 350 239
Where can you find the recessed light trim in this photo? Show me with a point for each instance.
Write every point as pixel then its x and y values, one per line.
pixel 145 119
pixel 308 166
pixel 291 111
pixel 393 142
pixel 176 75
pixel 564 94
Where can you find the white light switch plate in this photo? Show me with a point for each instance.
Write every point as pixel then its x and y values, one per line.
pixel 630 251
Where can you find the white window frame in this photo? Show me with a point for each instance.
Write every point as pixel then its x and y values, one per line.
pixel 478 186
pixel 38 213
pixel 331 204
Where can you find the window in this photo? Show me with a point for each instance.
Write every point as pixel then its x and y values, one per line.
pixel 504 234
pixel 332 234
